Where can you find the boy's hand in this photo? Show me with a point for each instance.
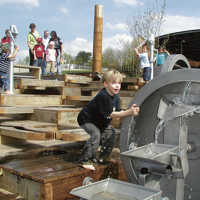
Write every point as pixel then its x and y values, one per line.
pixel 135 109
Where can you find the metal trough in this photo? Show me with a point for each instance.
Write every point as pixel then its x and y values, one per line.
pixel 111 189
pixel 152 157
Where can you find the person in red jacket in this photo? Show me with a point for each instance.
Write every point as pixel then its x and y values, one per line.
pixel 39 52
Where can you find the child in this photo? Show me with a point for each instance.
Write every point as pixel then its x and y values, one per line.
pixel 96 116
pixel 160 59
pixel 144 63
pixel 38 51
pixel 5 59
pixel 51 58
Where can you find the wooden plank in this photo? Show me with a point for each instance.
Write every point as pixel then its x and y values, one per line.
pixel 27 99
pixel 24 83
pixel 77 79
pixel 28 189
pixel 132 80
pixel 127 93
pixel 79 98
pixel 16 110
pixel 46 192
pixel 62 116
pixel 36 71
pixel 75 135
pixel 25 134
pixel 71 91
pixel 36 126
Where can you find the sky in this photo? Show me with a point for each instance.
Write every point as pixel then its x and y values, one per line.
pixel 73 20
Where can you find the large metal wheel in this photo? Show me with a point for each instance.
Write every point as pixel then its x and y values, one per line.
pixel 140 130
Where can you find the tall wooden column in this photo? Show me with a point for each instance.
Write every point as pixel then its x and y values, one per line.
pixel 97 43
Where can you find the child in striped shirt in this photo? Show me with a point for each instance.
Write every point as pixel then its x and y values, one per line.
pixel 5 59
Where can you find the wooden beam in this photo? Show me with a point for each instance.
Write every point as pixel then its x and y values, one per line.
pixel 27 99
pixel 16 110
pixel 25 83
pixel 72 135
pixel 36 71
pixel 62 116
pixel 24 134
pixel 69 78
pixel 29 125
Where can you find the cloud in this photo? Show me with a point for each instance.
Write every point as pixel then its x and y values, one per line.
pixel 118 27
pixel 178 23
pixel 64 10
pixel 22 54
pixel 81 44
pixel 129 2
pixel 76 45
pixel 32 3
pixel 117 41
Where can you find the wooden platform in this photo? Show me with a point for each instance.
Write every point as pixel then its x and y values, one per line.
pixel 28 99
pixel 24 83
pixel 52 177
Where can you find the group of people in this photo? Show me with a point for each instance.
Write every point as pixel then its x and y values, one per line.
pixel 142 51
pixel 45 52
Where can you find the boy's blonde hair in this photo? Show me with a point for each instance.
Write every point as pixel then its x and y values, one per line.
pixel 112 75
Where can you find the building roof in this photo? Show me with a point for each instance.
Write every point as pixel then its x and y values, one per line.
pixel 184 42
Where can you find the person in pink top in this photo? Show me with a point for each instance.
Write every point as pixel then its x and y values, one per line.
pixel 51 58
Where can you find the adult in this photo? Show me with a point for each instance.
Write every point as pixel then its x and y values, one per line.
pixel 46 39
pixel 6 38
pixel 45 43
pixel 59 50
pixel 160 59
pixel 33 35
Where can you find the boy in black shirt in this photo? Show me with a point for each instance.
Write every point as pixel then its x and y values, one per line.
pixel 96 116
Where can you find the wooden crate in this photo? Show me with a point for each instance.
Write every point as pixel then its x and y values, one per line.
pixel 53 177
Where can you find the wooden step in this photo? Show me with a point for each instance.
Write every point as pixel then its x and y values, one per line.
pixel 36 71
pixel 16 110
pixel 31 100
pixel 19 133
pixel 69 78
pixel 24 83
pixel 72 135
pixel 62 116
pixel 29 125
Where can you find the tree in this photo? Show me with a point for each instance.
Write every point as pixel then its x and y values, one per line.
pixel 149 21
pixel 83 58
pixel 142 25
pixel 68 59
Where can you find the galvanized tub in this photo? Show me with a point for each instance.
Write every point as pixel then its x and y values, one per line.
pixel 111 189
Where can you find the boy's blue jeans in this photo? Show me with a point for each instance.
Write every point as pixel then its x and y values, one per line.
pixel 41 63
pixel 4 77
pixel 106 139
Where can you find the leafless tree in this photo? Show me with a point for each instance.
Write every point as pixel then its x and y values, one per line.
pixel 148 22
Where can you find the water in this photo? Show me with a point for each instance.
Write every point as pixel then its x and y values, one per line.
pixel 184 99
pixel 111 196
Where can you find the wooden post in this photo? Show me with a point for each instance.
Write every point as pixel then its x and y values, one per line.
pixel 97 43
